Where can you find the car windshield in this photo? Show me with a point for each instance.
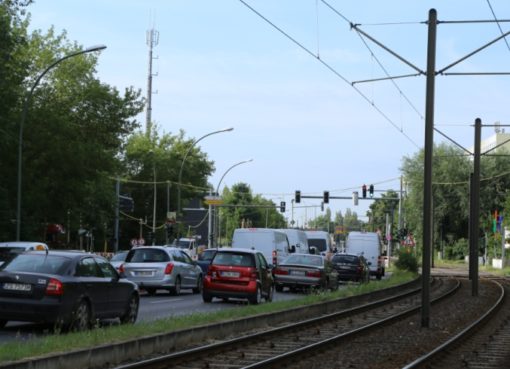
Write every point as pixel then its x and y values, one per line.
pixel 319 243
pixel 120 256
pixel 349 259
pixel 309 260
pixel 182 244
pixel 234 259
pixel 147 256
pixel 42 263
pixel 206 255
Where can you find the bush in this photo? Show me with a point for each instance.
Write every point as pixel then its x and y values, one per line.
pixel 407 261
pixel 457 250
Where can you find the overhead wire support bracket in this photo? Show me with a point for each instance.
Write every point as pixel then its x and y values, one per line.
pixel 459 145
pixel 386 78
pixel 477 74
pixel 421 72
pixel 473 53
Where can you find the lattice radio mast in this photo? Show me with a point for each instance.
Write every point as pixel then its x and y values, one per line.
pixel 152 41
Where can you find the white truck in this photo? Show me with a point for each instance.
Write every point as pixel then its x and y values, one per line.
pixel 369 245
pixel 272 243
pixel 321 240
pixel 298 239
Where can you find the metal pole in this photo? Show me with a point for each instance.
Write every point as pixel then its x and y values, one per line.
pixel 427 185
pixel 209 226
pixel 116 236
pixel 400 199
pixel 154 208
pixel 475 211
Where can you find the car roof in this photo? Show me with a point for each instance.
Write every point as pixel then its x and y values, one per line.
pixel 25 244
pixel 238 250
pixel 347 254
pixel 66 253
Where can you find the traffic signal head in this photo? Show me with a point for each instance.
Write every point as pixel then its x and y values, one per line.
pixel 282 206
pixel 371 190
pixel 298 197
pixel 355 198
pixel 325 197
pixel 364 191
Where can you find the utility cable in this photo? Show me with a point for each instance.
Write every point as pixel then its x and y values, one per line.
pixel 333 71
pixel 499 25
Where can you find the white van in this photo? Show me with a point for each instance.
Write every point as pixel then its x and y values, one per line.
pixel 367 244
pixel 272 243
pixel 9 249
pixel 298 239
pixel 320 240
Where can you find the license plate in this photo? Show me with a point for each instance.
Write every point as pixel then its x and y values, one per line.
pixel 17 287
pixel 144 273
pixel 297 272
pixel 230 274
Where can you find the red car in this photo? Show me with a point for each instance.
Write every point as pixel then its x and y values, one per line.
pixel 238 273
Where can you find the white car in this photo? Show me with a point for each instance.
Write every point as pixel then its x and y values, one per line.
pixel 8 249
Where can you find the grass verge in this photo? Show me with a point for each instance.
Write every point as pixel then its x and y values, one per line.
pixel 57 343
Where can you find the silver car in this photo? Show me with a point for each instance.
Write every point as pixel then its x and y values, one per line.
pixel 161 267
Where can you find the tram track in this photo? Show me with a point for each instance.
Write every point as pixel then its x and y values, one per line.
pixel 274 347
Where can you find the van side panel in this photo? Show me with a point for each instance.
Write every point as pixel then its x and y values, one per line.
pixel 264 240
pixel 368 244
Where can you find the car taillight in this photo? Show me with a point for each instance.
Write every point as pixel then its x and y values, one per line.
pixel 169 268
pixel 281 271
pixel 254 275
pixel 54 287
pixel 121 268
pixel 315 273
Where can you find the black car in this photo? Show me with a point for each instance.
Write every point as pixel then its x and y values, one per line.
pixel 351 267
pixel 204 259
pixel 67 289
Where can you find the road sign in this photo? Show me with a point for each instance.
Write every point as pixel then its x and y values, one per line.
pixel 213 200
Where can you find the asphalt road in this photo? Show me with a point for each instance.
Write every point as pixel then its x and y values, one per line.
pixel 154 307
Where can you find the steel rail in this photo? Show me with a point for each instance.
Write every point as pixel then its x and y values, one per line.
pixel 461 335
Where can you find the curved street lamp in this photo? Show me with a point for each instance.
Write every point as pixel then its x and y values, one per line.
pixel 212 239
pixel 23 117
pixel 184 159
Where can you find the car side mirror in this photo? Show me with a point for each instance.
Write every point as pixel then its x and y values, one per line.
pixel 292 249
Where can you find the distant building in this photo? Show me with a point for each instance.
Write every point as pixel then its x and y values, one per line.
pixel 498 138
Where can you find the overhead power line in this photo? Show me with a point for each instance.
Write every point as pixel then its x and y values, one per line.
pixel 316 57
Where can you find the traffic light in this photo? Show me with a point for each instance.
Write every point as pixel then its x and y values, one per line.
pixel 364 191
pixel 371 190
pixel 325 197
pixel 298 197
pixel 322 206
pixel 282 206
pixel 355 198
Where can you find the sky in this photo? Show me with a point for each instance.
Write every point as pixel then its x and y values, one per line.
pixel 281 74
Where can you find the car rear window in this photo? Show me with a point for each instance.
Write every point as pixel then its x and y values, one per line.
pixel 349 259
pixel 310 260
pixel 31 263
pixel 121 256
pixel 234 259
pixel 206 255
pixel 319 243
pixel 147 256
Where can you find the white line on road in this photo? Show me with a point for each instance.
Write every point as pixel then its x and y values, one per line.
pixel 164 301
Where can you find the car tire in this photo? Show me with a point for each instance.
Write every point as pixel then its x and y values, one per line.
pixel 131 312
pixel 270 294
pixel 150 291
pixel 176 290
pixel 206 297
pixel 3 323
pixel 279 288
pixel 257 297
pixel 82 317
pixel 199 286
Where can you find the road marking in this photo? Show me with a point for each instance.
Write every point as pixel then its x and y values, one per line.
pixel 164 301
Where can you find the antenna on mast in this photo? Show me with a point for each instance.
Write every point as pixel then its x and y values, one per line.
pixel 152 41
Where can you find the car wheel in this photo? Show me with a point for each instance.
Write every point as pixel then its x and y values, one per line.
pixel 3 323
pixel 177 289
pixel 132 311
pixel 206 297
pixel 199 286
pixel 279 288
pixel 257 298
pixel 150 291
pixel 270 294
pixel 81 317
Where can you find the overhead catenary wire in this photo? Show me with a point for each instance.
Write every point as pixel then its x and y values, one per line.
pixel 499 25
pixel 304 48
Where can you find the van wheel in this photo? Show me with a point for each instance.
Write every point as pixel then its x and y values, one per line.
pixel 199 286
pixel 257 298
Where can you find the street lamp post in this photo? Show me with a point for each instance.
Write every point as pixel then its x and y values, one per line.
pixel 211 236
pixel 184 159
pixel 22 122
